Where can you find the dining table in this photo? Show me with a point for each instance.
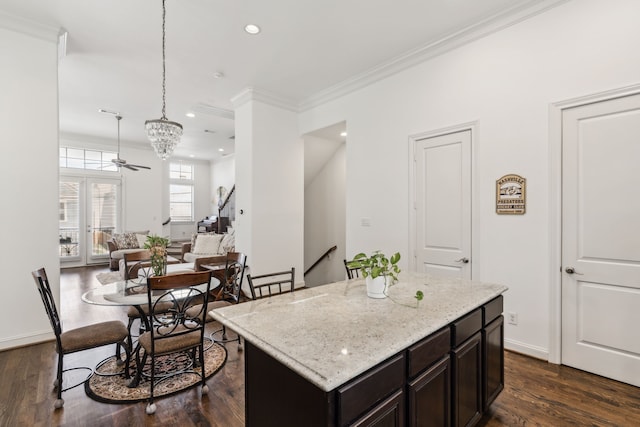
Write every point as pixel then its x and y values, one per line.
pixel 132 292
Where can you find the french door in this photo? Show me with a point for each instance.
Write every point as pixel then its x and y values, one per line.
pixel 89 215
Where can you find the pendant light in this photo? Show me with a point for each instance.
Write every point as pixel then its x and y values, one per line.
pixel 163 133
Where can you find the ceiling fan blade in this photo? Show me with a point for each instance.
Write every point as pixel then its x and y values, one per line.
pixel 140 166
pixel 131 167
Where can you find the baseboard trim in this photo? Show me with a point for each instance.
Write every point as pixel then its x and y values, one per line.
pixel 15 342
pixel 527 349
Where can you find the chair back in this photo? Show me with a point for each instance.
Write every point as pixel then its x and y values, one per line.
pixel 178 304
pixel 136 261
pixel 234 275
pixel 266 285
pixel 42 283
pixel 220 260
pixel 351 271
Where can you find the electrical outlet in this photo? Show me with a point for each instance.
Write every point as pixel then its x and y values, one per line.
pixel 512 318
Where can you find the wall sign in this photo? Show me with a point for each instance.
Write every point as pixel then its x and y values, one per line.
pixel 511 195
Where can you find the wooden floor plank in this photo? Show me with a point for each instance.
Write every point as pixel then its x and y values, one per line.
pixel 536 393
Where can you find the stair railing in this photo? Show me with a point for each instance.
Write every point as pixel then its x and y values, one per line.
pixel 325 255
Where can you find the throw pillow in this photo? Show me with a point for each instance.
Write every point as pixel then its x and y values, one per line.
pixel 207 244
pixel 125 241
pixel 195 235
pixel 228 243
pixel 142 239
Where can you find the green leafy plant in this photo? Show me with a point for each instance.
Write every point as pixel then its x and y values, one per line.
pixel 377 264
pixel 157 245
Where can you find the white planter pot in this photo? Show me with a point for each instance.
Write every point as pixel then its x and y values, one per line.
pixel 376 287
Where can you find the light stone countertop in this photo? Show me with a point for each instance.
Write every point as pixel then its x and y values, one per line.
pixel 330 334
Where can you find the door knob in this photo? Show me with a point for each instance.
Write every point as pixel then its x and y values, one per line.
pixel 463 260
pixel 571 270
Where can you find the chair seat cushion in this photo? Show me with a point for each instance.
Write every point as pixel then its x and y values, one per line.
pixel 92 336
pixel 193 311
pixel 170 344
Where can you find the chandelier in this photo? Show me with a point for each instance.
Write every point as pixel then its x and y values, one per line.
pixel 163 133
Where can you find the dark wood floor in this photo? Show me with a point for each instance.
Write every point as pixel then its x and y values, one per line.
pixel 536 393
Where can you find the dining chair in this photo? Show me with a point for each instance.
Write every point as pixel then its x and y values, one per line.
pixel 179 329
pixel 266 285
pixel 230 290
pixel 233 276
pixel 352 272
pixel 79 339
pixel 137 266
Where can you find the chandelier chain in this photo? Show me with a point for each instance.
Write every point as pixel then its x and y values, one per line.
pixel 164 68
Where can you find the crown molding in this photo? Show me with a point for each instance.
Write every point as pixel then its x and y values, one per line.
pixel 28 27
pixel 481 29
pixel 261 95
pixel 212 110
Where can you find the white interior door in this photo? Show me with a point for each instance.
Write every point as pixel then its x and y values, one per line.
pixel 443 204
pixel 601 238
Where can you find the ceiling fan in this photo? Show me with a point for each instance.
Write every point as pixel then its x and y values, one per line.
pixel 121 163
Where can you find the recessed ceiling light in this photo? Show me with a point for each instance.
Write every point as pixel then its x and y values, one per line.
pixel 221 149
pixel 190 114
pixel 218 75
pixel 252 29
pixel 192 155
pixel 343 133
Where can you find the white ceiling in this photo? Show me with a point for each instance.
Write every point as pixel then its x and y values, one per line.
pixel 306 47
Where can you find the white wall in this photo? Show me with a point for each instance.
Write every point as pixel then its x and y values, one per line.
pixel 324 220
pixel 29 117
pixel 506 83
pixel 223 173
pixel 270 187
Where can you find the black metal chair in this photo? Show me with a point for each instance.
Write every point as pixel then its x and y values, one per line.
pixel 179 329
pixel 79 339
pixel 352 272
pixel 230 293
pixel 266 285
pixel 137 266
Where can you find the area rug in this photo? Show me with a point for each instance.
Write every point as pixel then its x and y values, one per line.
pixel 110 388
pixel 109 277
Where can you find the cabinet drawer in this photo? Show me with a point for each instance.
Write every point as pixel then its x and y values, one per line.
pixel 492 310
pixel 466 326
pixel 361 394
pixel 428 351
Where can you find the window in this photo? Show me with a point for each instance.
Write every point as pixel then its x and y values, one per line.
pixel 181 192
pixel 78 158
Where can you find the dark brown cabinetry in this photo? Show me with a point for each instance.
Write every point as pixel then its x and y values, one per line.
pixel 430 396
pixel 448 378
pixel 492 352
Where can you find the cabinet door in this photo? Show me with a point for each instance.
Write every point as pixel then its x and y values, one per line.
pixel 493 361
pixel 389 413
pixel 430 396
pixel 467 382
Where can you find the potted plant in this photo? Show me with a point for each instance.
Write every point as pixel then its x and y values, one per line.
pixel 378 270
pixel 158 247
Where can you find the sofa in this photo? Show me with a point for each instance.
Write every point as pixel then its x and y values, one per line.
pixel 127 242
pixel 203 245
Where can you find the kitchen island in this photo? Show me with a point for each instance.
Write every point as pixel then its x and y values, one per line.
pixel 330 355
